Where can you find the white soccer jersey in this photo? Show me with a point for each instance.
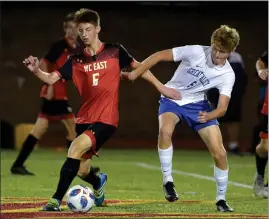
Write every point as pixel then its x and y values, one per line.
pixel 196 74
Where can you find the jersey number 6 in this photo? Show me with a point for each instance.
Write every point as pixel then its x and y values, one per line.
pixel 95 78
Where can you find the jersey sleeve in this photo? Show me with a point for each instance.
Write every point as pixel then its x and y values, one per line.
pixel 54 53
pixel 66 71
pixel 125 58
pixel 185 53
pixel 226 87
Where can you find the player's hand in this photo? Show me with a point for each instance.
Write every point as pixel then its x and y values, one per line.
pixel 263 74
pixel 203 117
pixel 32 63
pixel 128 76
pixel 170 92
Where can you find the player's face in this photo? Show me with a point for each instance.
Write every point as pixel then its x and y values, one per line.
pixel 70 29
pixel 88 33
pixel 219 56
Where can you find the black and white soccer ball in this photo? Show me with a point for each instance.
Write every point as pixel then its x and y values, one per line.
pixel 80 199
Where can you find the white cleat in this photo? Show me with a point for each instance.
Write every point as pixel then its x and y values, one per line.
pixel 258 186
pixel 265 192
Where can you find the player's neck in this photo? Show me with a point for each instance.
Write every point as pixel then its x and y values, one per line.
pixel 71 41
pixel 94 48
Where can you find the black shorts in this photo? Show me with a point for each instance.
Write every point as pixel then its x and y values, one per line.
pixel 55 110
pixel 98 132
pixel 264 127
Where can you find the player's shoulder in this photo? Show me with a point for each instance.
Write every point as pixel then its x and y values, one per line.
pixel 109 45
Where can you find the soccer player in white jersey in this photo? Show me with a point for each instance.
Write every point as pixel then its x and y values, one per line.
pixel 201 68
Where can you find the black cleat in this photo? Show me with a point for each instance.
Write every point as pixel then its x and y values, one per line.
pixel 21 170
pixel 170 192
pixel 222 206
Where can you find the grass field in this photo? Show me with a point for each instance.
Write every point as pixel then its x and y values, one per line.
pixel 134 187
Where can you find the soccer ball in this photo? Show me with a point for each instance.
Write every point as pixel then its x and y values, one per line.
pixel 80 199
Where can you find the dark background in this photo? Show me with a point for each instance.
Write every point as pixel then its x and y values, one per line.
pixel 142 28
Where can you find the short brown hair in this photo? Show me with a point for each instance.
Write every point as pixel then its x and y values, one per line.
pixel 85 15
pixel 69 17
pixel 225 38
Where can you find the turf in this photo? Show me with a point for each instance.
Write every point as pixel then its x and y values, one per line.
pixel 135 188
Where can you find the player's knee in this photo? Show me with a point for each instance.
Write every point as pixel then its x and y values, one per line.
pixel 165 135
pixel 75 151
pixel 39 130
pixel 220 155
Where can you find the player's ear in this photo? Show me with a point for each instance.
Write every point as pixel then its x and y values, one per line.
pixel 98 29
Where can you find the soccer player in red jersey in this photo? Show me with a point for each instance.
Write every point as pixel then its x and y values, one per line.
pixel 55 106
pixel 262 149
pixel 96 74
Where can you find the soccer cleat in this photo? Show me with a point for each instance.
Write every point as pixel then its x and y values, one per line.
pixel 222 206
pixel 52 205
pixel 170 192
pixel 265 192
pixel 258 186
pixel 99 192
pixel 21 170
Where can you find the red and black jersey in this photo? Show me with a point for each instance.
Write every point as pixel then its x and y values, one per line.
pixel 264 58
pixel 57 56
pixel 97 79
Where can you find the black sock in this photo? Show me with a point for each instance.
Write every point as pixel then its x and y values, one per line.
pixel 68 143
pixel 261 164
pixel 27 147
pixel 92 177
pixel 68 172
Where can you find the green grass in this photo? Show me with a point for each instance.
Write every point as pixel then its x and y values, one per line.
pixel 127 180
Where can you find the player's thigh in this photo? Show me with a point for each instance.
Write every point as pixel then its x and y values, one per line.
pixel 79 146
pixel 40 127
pixel 98 132
pixel 212 137
pixel 167 123
pixel 70 127
pixel 264 145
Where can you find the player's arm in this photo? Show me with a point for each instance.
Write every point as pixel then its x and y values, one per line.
pixel 225 90
pixel 184 53
pixel 32 63
pixel 165 55
pixel 148 76
pixel 261 69
pixel 126 60
pixel 46 66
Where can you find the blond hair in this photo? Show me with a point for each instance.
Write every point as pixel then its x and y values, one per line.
pixel 225 38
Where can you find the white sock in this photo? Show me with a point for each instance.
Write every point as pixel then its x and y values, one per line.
pixel 166 156
pixel 221 177
pixel 233 145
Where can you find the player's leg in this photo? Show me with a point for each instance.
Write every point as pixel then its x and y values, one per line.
pixel 28 145
pixel 83 147
pixel 70 126
pixel 69 169
pixel 167 122
pixel 261 159
pixel 102 132
pixel 212 137
pixel 90 175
